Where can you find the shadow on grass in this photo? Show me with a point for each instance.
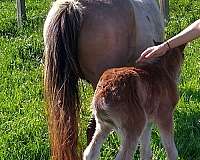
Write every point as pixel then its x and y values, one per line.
pixel 12 30
pixel 187 134
pixel 190 94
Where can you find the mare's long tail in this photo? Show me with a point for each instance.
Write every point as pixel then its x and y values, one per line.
pixel 61 74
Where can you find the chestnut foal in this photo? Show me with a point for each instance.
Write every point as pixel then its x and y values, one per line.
pixel 129 99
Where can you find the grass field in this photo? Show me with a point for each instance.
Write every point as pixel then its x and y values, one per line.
pixel 23 124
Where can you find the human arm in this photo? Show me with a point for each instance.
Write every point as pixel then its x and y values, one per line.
pixel 188 34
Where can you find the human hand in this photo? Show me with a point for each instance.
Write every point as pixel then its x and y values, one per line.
pixel 152 52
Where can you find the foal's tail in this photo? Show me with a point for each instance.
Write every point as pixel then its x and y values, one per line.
pixel 61 76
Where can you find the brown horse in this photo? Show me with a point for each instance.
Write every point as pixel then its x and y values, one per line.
pixel 129 99
pixel 83 39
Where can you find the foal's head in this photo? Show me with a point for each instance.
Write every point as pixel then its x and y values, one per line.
pixel 169 62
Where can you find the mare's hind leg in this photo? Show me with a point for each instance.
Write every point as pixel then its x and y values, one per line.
pixel 145 148
pixel 165 125
pixel 92 123
pixel 90 129
pixel 93 150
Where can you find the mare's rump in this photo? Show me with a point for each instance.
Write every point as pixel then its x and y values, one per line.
pixel 114 32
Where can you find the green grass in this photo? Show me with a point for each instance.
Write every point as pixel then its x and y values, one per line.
pixel 23 129
pixel 23 125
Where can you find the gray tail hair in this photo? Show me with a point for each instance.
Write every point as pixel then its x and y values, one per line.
pixel 61 75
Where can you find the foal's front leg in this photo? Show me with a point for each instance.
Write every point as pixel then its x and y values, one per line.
pixel 93 150
pixel 128 146
pixel 165 125
pixel 145 148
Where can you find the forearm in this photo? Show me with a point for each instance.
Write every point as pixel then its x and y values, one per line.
pixel 190 33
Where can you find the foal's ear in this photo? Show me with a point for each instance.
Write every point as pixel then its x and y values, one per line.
pixel 182 47
pixel 157 43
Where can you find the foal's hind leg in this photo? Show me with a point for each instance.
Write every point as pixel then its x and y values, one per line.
pixel 93 150
pixel 165 125
pixel 130 130
pixel 145 148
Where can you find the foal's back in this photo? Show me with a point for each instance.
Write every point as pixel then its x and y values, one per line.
pixel 148 87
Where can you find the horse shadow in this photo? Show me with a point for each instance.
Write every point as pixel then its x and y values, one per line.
pixel 187 124
pixel 190 94
pixel 187 134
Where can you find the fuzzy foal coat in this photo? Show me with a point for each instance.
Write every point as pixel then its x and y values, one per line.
pixel 128 99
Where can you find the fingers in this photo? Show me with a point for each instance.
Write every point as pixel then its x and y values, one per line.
pixel 152 52
pixel 146 54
